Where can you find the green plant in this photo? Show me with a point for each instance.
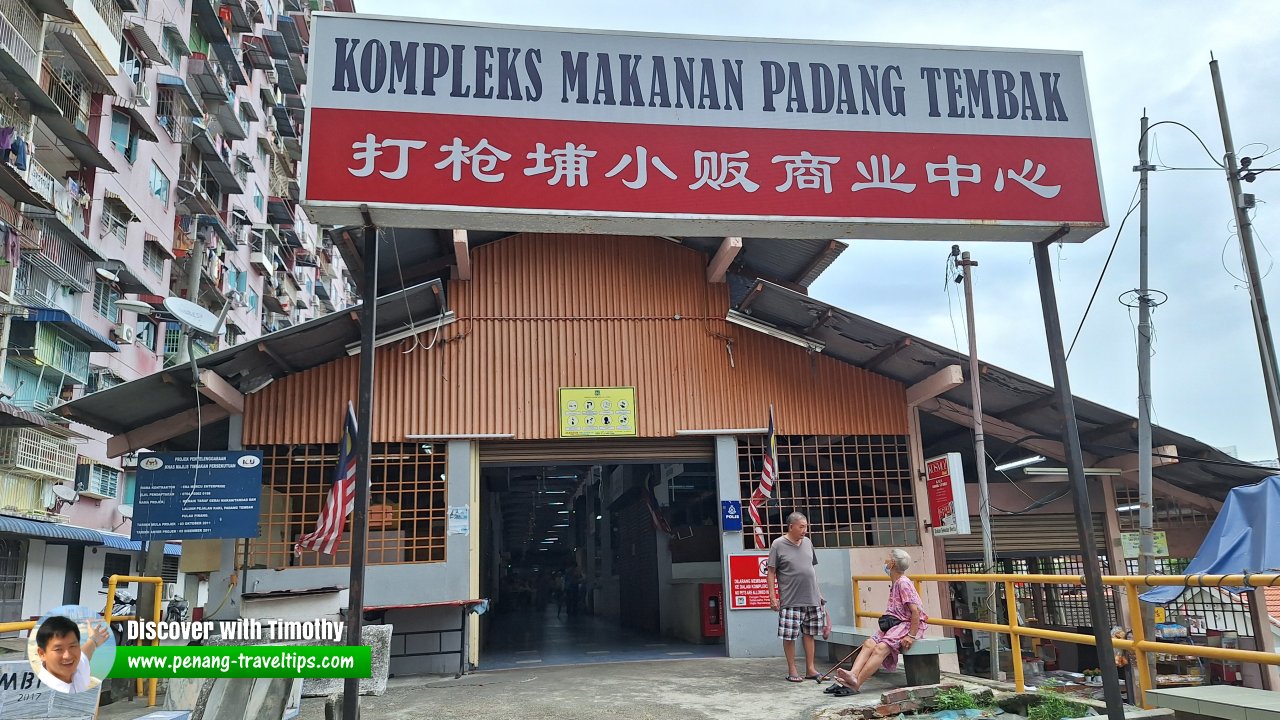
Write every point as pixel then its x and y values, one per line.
pixel 1054 706
pixel 956 699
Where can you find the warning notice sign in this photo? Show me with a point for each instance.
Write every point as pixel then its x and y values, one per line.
pixel 748 586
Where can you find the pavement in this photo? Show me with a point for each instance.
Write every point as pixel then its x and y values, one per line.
pixel 729 688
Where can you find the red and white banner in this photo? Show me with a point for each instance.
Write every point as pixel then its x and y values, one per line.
pixel 577 130
pixel 948 502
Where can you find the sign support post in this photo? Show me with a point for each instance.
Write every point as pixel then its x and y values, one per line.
pixel 1075 473
pixel 364 445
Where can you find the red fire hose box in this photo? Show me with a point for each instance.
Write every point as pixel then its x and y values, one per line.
pixel 711 608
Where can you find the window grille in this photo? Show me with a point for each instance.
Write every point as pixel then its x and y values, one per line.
pixel 856 490
pixel 408 515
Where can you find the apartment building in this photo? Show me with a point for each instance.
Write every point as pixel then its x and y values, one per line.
pixel 150 149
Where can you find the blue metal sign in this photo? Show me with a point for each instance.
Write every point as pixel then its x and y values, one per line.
pixel 731 515
pixel 189 496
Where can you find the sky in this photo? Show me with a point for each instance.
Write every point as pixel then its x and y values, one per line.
pixel 1206 376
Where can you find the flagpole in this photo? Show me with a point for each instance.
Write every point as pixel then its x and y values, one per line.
pixel 363 446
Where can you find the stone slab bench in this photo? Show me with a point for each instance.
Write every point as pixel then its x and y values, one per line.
pixel 921 661
pixel 1218 701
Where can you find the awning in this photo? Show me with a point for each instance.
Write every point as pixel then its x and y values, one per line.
pixel 174 33
pixel 94 77
pixel 55 533
pixel 151 51
pixel 254 50
pixel 27 86
pixel 284 78
pixel 123 211
pixel 166 80
pixel 139 120
pixel 122 542
pixel 289 29
pixel 154 240
pixel 74 327
pixel 79 144
pixel 230 64
pixel 13 416
pixel 276 45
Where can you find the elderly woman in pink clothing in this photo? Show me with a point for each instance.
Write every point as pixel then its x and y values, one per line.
pixel 881 651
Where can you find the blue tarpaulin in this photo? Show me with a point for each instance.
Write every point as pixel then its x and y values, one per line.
pixel 1244 539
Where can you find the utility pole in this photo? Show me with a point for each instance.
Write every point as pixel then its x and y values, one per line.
pixel 195 266
pixel 1244 227
pixel 980 457
pixel 1146 542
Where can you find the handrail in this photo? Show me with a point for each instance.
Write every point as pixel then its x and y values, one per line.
pixel 159 603
pixel 1139 644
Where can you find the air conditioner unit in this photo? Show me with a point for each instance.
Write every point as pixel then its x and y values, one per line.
pixel 170 591
pixel 142 93
pixel 124 333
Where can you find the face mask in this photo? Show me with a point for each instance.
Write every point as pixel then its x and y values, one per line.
pixel 887 571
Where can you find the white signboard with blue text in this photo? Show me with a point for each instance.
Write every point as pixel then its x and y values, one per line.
pixel 197 496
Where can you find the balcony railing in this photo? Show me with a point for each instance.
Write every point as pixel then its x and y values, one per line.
pixel 10 117
pixel 18 25
pixel 66 88
pixel 111 15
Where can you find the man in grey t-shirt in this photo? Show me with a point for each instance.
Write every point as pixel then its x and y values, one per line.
pixel 794 594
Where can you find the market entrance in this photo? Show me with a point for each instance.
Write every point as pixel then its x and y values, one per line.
pixel 597 559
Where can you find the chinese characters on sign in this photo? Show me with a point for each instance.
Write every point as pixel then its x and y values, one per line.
pixel 748 585
pixel 709 169
pixel 948 504
pixel 593 412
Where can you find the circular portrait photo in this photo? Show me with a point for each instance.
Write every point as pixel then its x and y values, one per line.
pixel 71 649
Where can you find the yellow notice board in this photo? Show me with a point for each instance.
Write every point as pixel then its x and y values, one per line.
pixel 595 412
pixel 1130 542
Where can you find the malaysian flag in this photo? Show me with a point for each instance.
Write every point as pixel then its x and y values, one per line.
pixel 342 495
pixel 764 491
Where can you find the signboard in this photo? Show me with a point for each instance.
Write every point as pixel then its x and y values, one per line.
pixel 748 586
pixel 1131 542
pixel 595 412
pixel 535 129
pixel 948 504
pixel 185 496
pixel 731 515
pixel 24 697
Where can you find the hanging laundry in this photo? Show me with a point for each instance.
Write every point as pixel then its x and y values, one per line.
pixel 20 153
pixel 12 247
pixel 7 134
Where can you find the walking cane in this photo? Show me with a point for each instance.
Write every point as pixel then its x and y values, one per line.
pixel 835 667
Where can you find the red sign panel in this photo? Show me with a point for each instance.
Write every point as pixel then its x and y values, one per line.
pixel 531 129
pixel 748 586
pixel 948 503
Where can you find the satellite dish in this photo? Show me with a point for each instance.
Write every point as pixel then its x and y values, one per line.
pixel 107 275
pixel 135 306
pixel 194 316
pixel 65 493
pixel 126 511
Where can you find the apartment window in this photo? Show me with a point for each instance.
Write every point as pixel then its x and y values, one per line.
pixel 113 223
pixel 245 119
pixel 153 259
pixel 259 200
pixel 262 156
pixel 171 50
pixel 130 486
pixel 124 136
pixel 268 13
pixel 130 62
pixel 146 334
pixel 98 480
pixel 104 301
pixel 159 183
pixel 252 302
pixel 115 564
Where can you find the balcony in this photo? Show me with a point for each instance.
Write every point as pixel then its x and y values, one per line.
pixel 58 257
pixel 68 115
pixel 65 199
pixel 18 26
pixel 217 162
pixel 209 79
pixel 28 452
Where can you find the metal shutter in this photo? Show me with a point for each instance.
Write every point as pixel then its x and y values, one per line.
pixel 1026 535
pixel 601 450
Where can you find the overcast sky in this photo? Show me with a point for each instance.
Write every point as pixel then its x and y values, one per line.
pixel 1207 380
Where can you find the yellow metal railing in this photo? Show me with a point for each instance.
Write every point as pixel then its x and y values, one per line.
pixel 159 603
pixel 108 618
pixel 1140 645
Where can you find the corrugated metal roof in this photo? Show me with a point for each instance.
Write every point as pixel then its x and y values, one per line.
pixel 250 366
pixel 56 533
pixel 1017 400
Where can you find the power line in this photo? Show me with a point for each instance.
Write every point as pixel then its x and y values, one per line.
pixel 1116 241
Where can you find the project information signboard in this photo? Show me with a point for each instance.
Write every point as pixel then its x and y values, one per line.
pixel 189 496
pixel 536 129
